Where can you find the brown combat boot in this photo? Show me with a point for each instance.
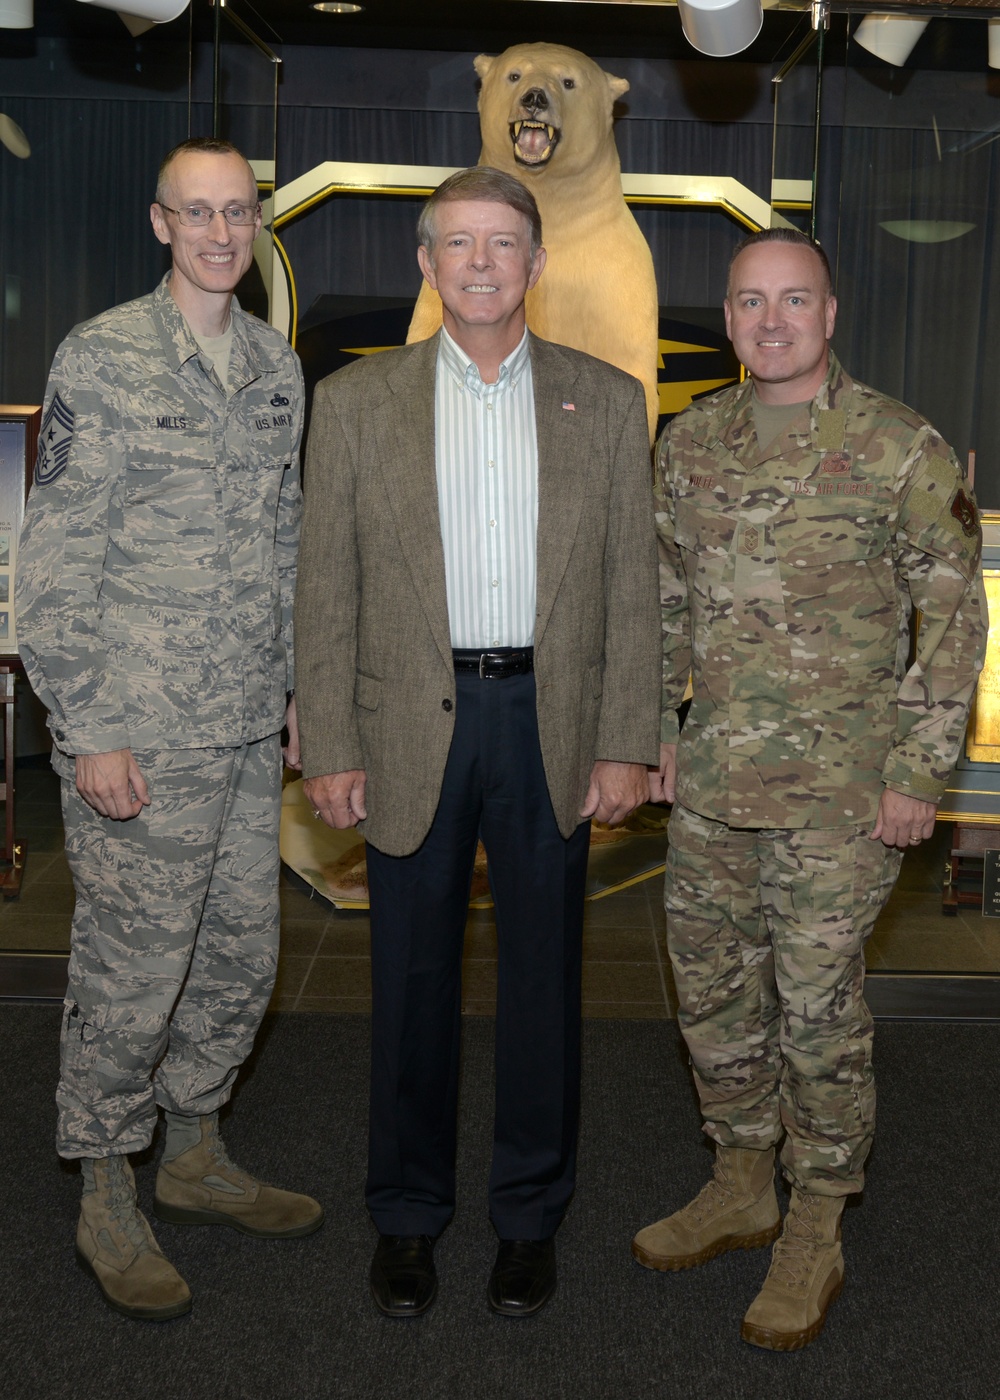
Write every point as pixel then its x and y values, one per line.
pixel 805 1277
pixel 114 1242
pixel 737 1209
pixel 197 1184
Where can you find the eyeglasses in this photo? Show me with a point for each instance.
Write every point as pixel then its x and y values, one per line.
pixel 197 216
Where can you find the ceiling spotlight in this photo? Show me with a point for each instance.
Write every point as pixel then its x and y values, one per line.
pixel 338 7
pixel 890 37
pixel 153 11
pixel 721 28
pixel 137 25
pixel 16 14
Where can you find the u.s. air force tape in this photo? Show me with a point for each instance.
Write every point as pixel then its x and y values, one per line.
pixel 54 442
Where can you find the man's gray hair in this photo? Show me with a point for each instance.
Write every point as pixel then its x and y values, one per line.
pixel 483 183
pixel 781 235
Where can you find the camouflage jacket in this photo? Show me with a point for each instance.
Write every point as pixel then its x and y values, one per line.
pixel 788 578
pixel 157 560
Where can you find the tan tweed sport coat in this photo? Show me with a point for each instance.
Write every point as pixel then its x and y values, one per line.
pixel 375 683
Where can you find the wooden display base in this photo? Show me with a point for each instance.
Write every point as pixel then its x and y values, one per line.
pixel 333 862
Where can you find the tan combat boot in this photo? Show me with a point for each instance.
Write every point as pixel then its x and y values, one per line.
pixel 114 1242
pixel 197 1184
pixel 737 1209
pixel 805 1277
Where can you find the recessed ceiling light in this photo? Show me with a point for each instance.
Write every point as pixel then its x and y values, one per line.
pixel 926 230
pixel 337 7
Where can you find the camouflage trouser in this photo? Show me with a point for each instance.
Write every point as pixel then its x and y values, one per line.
pixel 174 945
pixel 766 932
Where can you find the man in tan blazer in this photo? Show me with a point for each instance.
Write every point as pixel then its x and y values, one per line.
pixel 478 643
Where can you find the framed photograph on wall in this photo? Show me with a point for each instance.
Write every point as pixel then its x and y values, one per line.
pixel 19 428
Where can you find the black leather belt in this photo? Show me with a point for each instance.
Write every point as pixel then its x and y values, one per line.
pixel 496 665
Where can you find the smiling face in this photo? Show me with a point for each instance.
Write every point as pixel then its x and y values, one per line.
pixel 780 317
pixel 482 267
pixel 207 262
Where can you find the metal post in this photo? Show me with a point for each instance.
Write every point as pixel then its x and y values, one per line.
pixel 820 23
pixel 217 71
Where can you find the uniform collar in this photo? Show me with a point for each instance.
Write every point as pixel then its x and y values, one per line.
pixel 827 422
pixel 248 359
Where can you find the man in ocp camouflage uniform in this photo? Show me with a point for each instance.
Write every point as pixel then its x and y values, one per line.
pixel 802 519
pixel 154 598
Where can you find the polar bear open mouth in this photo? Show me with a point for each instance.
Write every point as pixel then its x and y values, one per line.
pixel 533 142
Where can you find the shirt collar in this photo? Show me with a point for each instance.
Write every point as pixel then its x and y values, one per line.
pixel 465 373
pixel 249 358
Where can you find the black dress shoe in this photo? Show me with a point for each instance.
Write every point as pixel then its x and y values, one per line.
pixel 403 1278
pixel 523 1278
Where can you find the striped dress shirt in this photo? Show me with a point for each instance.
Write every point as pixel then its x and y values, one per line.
pixel 486 457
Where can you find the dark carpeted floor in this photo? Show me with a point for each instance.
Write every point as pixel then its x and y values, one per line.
pixel 292 1320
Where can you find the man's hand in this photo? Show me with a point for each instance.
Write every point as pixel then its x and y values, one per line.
pixel 663 780
pixel 290 752
pixel 112 784
pixel 615 790
pixel 339 798
pixel 902 821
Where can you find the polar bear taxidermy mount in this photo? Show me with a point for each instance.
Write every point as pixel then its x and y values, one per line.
pixel 545 113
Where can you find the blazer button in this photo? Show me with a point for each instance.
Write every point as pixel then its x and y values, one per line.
pixel 446 705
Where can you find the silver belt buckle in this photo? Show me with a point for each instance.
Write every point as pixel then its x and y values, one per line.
pixel 482 658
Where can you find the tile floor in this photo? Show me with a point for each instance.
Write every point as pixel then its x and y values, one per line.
pixel 324 958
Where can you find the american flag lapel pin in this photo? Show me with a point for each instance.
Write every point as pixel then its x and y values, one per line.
pixel 569 407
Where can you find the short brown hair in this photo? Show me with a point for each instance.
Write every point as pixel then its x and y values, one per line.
pixel 198 145
pixel 781 235
pixel 481 182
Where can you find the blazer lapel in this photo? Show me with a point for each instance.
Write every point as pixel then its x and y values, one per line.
pixel 403 426
pixel 561 427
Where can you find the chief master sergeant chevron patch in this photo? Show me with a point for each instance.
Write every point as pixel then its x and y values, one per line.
pixel 54 442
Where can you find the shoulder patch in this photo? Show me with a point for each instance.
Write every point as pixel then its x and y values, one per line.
pixel 54 442
pixel 965 513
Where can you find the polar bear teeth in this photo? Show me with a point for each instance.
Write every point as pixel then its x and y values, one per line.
pixel 528 153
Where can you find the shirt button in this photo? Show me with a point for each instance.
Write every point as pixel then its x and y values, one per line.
pixel 494 583
pixel 492 463
pixel 493 522
pixel 446 705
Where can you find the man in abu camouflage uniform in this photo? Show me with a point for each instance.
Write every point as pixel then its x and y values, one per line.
pixel 802 519
pixel 154 598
